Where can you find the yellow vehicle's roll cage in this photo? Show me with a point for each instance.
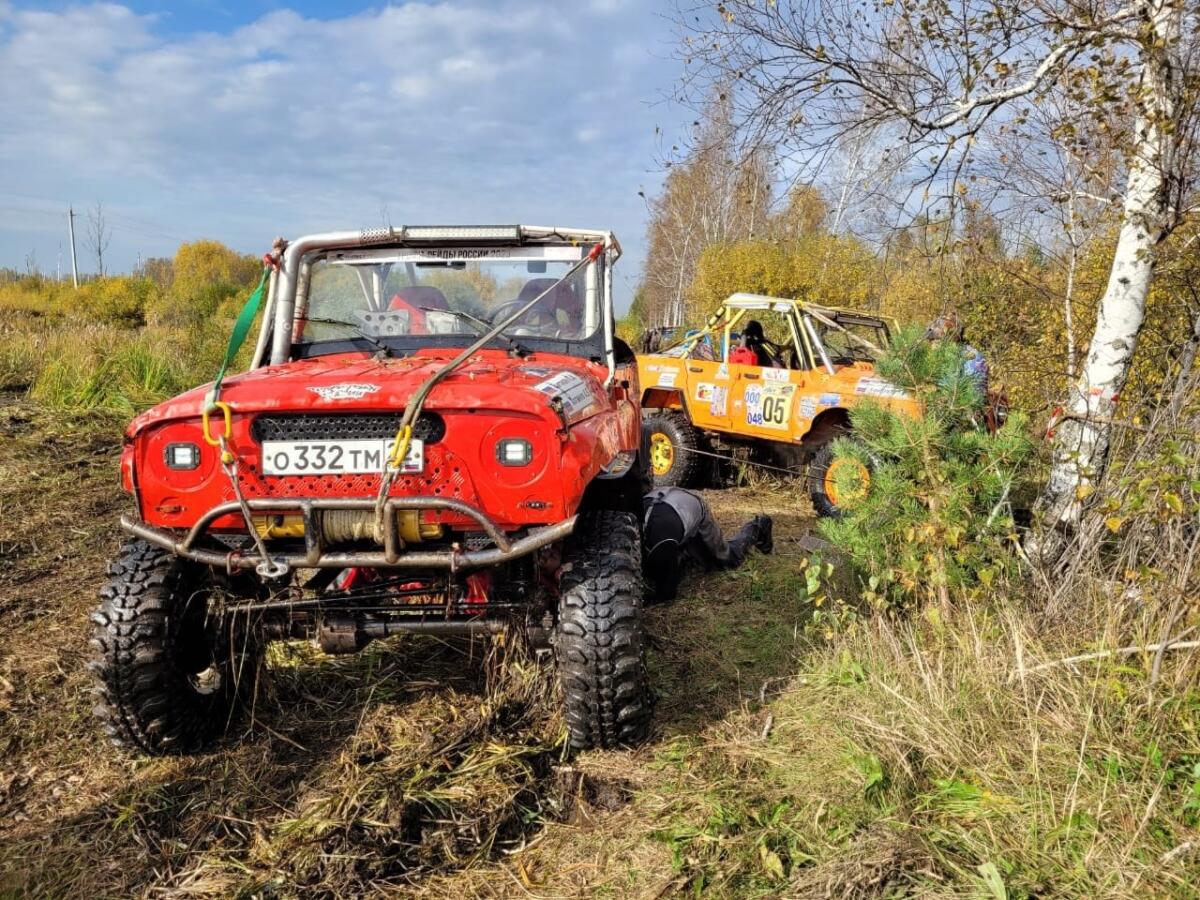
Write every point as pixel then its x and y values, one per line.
pixel 799 315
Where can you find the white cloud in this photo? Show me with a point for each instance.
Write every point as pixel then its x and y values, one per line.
pixel 607 6
pixel 446 111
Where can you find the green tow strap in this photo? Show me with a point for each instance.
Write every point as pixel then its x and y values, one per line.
pixel 241 328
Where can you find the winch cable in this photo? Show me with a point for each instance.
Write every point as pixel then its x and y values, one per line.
pixel 395 460
pixel 229 461
pixel 798 473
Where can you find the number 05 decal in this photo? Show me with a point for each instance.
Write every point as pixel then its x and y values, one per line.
pixel 777 405
pixel 775 411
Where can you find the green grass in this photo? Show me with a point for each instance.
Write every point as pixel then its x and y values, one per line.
pixel 73 363
pixel 907 759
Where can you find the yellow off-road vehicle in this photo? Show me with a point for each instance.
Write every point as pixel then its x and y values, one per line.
pixel 728 384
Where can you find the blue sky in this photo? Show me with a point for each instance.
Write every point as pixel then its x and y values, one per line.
pixel 240 121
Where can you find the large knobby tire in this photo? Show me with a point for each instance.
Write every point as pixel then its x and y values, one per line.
pixel 170 676
pixel 673 442
pixel 822 486
pixel 600 639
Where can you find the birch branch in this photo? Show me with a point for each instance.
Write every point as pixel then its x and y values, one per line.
pixel 1105 654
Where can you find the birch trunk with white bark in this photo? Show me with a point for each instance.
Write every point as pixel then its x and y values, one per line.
pixel 1083 436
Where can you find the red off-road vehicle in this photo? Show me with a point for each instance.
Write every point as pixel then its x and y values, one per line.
pixel 439 433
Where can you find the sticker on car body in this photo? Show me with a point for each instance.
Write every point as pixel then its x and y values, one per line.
pixel 347 390
pixel 878 387
pixel 717 405
pixel 777 375
pixel 666 378
pixel 573 392
pixel 769 405
pixel 753 399
pixel 704 391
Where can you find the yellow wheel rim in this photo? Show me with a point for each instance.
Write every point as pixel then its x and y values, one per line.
pixel 847 482
pixel 662 454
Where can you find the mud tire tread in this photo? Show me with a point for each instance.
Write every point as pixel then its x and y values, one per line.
pixel 145 701
pixel 600 640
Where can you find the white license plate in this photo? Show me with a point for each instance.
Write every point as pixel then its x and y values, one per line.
pixel 336 457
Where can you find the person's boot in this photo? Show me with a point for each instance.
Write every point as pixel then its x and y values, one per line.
pixel 763 540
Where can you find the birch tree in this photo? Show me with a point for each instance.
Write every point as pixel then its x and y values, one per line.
pixel 947 75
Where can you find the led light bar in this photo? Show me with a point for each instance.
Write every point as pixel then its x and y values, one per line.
pixel 462 233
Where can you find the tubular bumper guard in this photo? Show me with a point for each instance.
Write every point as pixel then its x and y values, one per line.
pixel 315 556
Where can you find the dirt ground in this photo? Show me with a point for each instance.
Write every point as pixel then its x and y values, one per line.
pixel 421 766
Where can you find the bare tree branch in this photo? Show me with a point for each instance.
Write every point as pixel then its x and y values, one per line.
pixel 98 235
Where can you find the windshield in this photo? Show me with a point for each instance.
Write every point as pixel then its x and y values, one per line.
pixel 379 295
pixel 852 341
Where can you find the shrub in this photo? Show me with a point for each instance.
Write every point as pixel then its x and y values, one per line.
pixel 32 297
pixel 937 515
pixel 114 301
pixel 202 263
pixel 191 310
pixel 205 277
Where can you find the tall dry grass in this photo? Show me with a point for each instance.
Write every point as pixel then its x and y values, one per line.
pixel 117 345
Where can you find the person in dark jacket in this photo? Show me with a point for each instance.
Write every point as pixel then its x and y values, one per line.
pixel 679 533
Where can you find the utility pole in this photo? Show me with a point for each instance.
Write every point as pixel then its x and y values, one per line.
pixel 71 228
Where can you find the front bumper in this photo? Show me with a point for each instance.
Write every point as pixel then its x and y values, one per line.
pixel 316 556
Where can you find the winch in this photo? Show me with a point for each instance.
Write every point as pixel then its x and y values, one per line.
pixel 347 526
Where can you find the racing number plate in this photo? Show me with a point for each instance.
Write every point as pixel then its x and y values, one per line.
pixel 336 457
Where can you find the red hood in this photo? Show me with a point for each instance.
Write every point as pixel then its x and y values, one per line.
pixel 346 382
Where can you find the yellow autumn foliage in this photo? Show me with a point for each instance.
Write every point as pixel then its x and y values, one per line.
pixel 815 266
pixel 205 277
pixel 1011 305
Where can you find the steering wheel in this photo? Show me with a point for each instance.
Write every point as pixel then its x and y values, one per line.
pixel 537 321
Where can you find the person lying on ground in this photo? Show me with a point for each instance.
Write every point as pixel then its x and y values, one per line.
pixel 680 534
